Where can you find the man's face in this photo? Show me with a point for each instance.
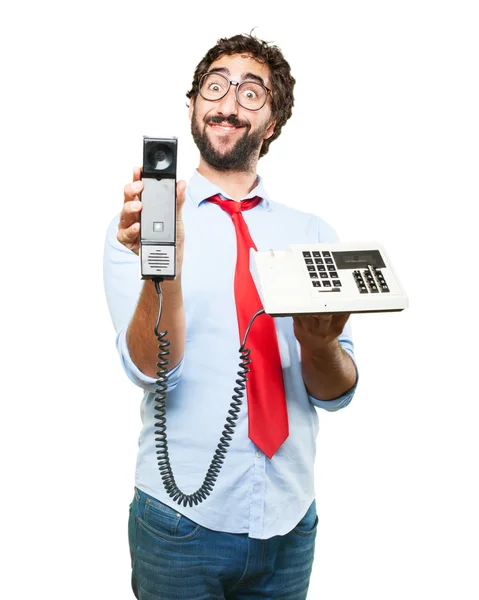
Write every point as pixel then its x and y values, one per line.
pixel 228 136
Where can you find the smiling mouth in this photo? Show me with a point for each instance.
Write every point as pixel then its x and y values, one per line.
pixel 225 127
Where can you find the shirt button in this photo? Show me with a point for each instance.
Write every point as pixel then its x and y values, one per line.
pixel 258 454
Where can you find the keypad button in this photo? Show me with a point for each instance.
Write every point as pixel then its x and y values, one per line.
pixel 316 253
pixel 329 261
pixel 326 253
pixel 308 254
pixel 333 274
pixel 318 261
pixel 323 275
pixel 331 268
pixel 311 268
pixel 317 283
pixel 337 283
pixel 309 261
pixel 326 283
pixel 313 275
pixel 321 268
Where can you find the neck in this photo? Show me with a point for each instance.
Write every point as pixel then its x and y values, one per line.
pixel 235 184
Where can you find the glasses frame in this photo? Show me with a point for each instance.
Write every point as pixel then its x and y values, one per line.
pixel 237 84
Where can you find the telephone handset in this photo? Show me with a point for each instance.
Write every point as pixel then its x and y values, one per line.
pixel 327 278
pixel 158 213
pixel 158 262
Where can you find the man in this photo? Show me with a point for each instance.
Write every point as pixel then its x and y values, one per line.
pixel 254 535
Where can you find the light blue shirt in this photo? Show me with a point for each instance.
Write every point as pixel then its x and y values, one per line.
pixel 253 494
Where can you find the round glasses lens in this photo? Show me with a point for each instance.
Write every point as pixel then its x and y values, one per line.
pixel 251 95
pixel 214 86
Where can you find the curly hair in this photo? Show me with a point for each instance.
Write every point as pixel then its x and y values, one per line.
pixel 282 82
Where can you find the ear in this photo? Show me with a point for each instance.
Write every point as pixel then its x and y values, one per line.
pixel 269 132
pixel 191 108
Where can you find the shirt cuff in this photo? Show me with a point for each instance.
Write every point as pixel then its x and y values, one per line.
pixel 139 378
pixel 342 401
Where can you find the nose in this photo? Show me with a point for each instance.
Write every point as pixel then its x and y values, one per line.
pixel 228 104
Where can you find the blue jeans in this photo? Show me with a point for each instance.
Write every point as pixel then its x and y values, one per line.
pixel 174 558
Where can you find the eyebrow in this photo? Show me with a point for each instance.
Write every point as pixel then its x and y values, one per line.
pixel 244 76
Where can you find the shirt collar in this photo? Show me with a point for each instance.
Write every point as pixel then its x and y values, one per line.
pixel 200 188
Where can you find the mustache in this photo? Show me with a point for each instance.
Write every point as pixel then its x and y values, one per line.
pixel 231 120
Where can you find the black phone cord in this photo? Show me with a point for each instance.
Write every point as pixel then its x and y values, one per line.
pixel 160 409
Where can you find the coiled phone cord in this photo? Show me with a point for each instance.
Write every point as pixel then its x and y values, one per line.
pixel 160 409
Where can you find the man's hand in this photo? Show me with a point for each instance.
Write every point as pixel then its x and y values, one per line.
pixel 129 225
pixel 316 333
pixel 140 337
pixel 328 371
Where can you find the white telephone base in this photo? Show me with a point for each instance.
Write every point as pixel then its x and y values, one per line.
pixel 312 279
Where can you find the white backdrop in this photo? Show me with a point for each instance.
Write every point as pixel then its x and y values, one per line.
pixel 383 144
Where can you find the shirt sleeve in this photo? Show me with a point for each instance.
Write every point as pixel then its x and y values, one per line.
pixel 327 234
pixel 123 285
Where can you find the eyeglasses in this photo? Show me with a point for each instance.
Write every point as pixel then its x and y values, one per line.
pixel 249 94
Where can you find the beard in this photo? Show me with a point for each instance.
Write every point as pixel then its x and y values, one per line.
pixel 241 157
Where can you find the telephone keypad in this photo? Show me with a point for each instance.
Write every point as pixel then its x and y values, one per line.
pixel 322 269
pixel 380 279
pixel 370 281
pixel 360 282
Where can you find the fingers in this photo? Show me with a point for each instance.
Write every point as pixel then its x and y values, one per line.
pixel 129 225
pixel 321 321
pixel 130 213
pixel 137 174
pixel 180 193
pixel 341 320
pixel 322 324
pixel 128 236
pixel 133 190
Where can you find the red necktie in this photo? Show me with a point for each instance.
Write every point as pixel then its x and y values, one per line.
pixel 267 410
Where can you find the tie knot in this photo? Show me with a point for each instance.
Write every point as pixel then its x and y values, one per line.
pixel 232 207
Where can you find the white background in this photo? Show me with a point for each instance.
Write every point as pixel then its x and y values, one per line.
pixel 383 144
